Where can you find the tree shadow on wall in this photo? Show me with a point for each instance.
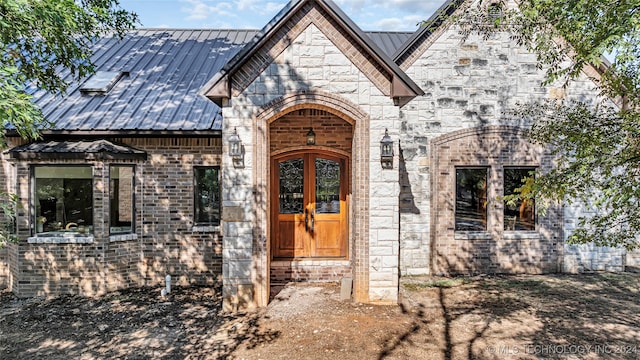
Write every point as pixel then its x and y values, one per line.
pixel 407 199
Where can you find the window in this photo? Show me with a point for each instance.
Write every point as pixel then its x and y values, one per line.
pixel 102 82
pixel 471 199
pixel 521 214
pixel 63 200
pixel 207 196
pixel 121 199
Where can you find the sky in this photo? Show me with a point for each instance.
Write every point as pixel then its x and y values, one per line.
pixel 382 15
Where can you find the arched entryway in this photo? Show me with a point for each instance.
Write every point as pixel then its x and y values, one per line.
pixel 342 128
pixel 310 191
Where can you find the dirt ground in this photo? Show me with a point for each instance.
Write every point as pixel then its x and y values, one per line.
pixel 490 317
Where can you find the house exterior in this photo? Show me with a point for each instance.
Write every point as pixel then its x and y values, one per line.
pixel 254 158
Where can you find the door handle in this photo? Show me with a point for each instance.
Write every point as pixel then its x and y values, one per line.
pixel 306 220
pixel 313 216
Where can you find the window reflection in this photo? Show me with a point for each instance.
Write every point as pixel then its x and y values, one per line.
pixel 63 200
pixel 121 199
pixel 207 196
pixel 471 199
pixel 327 186
pixel 521 214
pixel 291 175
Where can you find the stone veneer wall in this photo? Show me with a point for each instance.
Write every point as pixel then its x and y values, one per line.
pixel 468 84
pixel 308 64
pixel 165 242
pixel 580 258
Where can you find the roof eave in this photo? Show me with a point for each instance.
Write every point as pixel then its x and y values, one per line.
pixel 218 89
pixel 103 155
pixel 122 133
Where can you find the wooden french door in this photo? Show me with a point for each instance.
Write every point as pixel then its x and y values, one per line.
pixel 309 209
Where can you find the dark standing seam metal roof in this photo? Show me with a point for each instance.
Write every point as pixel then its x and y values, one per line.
pixel 167 68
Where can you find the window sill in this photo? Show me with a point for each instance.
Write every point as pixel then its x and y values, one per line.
pixel 60 240
pixel 472 235
pixel 206 228
pixel 122 237
pixel 521 235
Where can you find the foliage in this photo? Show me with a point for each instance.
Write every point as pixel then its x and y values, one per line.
pixel 44 45
pixel 595 144
pixel 39 39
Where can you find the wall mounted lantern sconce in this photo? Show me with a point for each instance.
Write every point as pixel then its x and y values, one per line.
pixel 311 137
pixel 236 150
pixel 386 151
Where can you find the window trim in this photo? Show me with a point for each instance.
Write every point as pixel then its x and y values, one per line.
pixel 133 205
pixel 197 224
pixel 32 196
pixel 487 170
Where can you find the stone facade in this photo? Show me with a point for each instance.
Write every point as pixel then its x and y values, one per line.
pixel 315 63
pixel 314 71
pixel 469 84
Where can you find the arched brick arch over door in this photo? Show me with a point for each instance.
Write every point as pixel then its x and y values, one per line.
pixel 359 168
pixel 485 242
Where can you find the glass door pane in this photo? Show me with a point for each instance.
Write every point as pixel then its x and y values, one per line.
pixel 327 186
pixel 291 186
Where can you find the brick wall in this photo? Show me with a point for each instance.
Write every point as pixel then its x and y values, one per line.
pixel 165 239
pixel 494 250
pixel 309 271
pixel 7 185
pixel 331 131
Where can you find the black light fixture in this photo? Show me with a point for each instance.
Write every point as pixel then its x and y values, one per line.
pixel 235 146
pixel 311 136
pixel 386 151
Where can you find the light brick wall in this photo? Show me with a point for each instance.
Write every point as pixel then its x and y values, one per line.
pixel 309 271
pixel 165 241
pixel 7 185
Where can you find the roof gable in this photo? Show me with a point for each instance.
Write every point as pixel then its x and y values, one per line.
pixel 276 36
pixel 417 44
